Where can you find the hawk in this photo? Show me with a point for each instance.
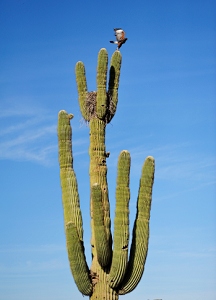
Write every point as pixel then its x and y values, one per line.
pixel 120 37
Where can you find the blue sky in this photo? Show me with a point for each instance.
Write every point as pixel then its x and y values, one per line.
pixel 166 108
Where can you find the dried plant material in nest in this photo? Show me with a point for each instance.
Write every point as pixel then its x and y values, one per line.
pixel 91 106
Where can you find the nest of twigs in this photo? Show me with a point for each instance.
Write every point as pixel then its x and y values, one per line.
pixel 91 106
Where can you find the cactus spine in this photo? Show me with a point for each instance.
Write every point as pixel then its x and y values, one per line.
pixel 111 273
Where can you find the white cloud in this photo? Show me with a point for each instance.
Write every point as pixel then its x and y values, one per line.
pixel 174 162
pixel 27 135
pixel 46 248
pixel 32 267
pixel 30 134
pixel 20 260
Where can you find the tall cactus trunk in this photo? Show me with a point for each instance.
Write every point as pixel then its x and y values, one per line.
pixel 100 279
pixel 111 273
pixel 101 236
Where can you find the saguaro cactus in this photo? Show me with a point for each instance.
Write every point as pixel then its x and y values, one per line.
pixel 111 273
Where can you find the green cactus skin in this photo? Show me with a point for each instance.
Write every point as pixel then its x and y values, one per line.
pixel 77 260
pixel 101 101
pixel 71 206
pixel 139 246
pixel 111 273
pixel 103 256
pixel 82 89
pixel 114 75
pixel 121 223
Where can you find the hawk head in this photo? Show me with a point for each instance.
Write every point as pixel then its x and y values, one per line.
pixel 120 37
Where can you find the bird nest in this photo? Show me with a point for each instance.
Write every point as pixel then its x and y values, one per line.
pixel 91 106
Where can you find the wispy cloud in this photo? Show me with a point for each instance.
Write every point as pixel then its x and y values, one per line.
pixel 32 259
pixel 21 126
pixel 180 164
pixel 46 248
pixel 27 135
pixel 15 107
pixel 32 267
pixel 178 161
pixel 196 254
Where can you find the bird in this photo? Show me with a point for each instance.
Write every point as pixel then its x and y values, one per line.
pixel 120 37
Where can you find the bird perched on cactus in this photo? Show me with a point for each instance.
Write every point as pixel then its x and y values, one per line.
pixel 120 37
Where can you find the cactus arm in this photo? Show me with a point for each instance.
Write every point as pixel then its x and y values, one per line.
pixel 101 84
pixel 79 268
pixel 113 85
pixel 121 223
pixel 102 245
pixel 70 196
pixel 82 89
pixel 71 205
pixel 139 246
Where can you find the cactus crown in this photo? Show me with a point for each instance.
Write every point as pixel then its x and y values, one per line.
pixel 101 104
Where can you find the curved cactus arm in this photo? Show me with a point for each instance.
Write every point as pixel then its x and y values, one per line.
pixel 70 196
pixel 114 75
pixel 78 265
pixel 101 83
pixel 71 205
pixel 102 244
pixel 139 246
pixel 82 89
pixel 121 223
